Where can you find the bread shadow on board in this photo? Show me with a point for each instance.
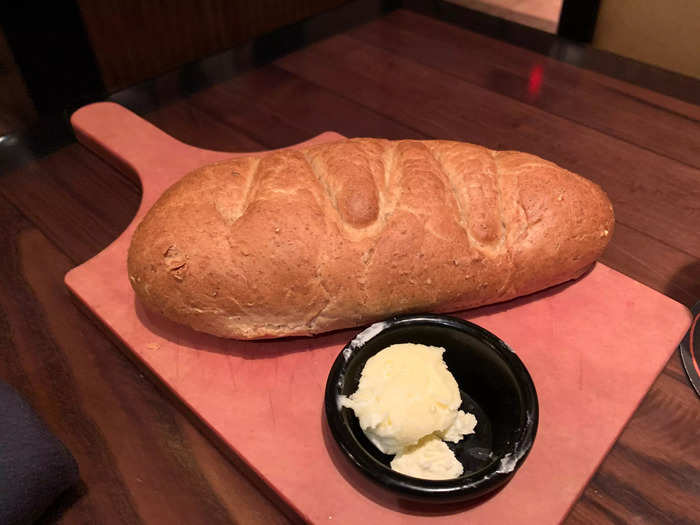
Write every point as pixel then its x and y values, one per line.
pixel 185 336
pixel 385 497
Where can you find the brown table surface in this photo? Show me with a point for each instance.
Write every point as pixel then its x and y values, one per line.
pixel 398 75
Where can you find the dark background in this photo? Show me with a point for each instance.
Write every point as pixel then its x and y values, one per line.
pixel 57 56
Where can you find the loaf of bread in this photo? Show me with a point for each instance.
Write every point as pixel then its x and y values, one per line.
pixel 342 234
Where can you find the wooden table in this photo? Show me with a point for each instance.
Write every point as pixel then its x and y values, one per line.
pixel 399 75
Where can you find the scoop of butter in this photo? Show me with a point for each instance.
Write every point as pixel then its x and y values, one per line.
pixel 405 394
pixel 429 459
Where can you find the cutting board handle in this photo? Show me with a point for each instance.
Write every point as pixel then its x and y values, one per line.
pixel 125 140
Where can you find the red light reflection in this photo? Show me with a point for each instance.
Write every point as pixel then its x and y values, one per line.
pixel 534 83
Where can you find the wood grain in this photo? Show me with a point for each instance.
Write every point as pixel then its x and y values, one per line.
pixel 563 91
pixel 297 103
pixel 655 263
pixel 651 474
pixel 401 76
pixel 78 201
pixel 190 124
pixel 136 454
pixel 149 38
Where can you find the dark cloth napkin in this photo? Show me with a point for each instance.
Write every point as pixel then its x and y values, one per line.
pixel 35 467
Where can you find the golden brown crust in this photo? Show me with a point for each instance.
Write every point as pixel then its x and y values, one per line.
pixel 342 234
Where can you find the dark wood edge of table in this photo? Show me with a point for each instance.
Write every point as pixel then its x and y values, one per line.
pixel 52 131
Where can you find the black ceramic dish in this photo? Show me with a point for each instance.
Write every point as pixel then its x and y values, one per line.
pixel 495 387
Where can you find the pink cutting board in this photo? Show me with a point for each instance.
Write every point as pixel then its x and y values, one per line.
pixel 593 348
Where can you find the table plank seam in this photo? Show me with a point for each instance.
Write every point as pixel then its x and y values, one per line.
pixel 611 134
pixel 337 94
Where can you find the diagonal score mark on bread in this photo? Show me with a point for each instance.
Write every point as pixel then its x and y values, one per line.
pixel 342 234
